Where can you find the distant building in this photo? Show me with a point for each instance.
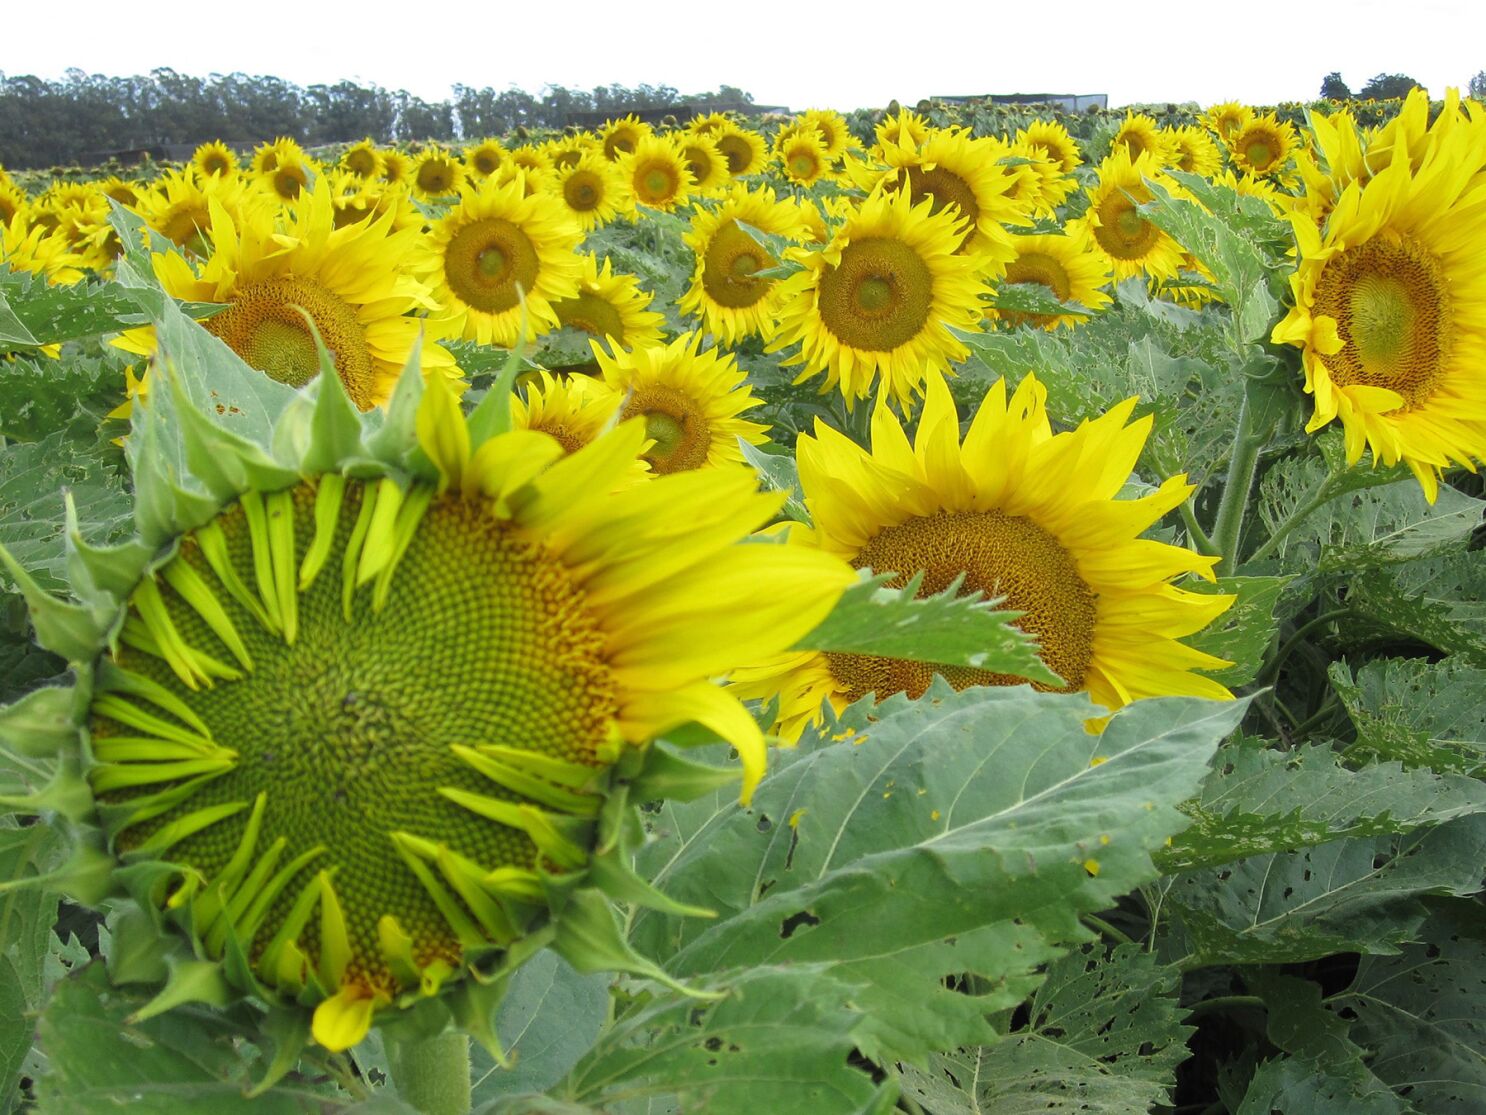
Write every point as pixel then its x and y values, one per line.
pixel 1068 102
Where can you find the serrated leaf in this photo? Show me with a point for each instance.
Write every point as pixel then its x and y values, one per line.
pixel 1243 634
pixel 1105 1034
pixel 1033 298
pixel 779 1041
pixel 1296 1086
pixel 40 397
pixel 1424 714
pixel 946 629
pixel 549 1018
pixel 51 313
pixel 1441 602
pixel 1352 895
pixel 779 474
pixel 966 833
pixel 1260 799
pixel 1422 1013
pixel 13 331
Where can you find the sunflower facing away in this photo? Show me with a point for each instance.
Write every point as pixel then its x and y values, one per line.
pixel 496 251
pixel 877 301
pixel 1390 310
pixel 1022 513
pixel 726 291
pixel 690 400
pixel 610 304
pixel 360 739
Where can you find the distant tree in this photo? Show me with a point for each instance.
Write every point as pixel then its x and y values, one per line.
pixel 1385 87
pixel 1477 87
pixel 1333 88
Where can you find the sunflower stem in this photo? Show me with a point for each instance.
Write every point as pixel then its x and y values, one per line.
pixel 433 1074
pixel 1243 463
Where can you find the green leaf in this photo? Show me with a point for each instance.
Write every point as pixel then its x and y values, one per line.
pixel 1425 714
pixel 1422 1013
pixel 1105 1034
pixel 1033 298
pixel 1296 1086
pixel 185 1060
pixel 780 474
pixel 39 396
pixel 1441 602
pixel 965 833
pixel 16 1028
pixel 550 1017
pixel 780 1041
pixel 1260 799
pixel 50 313
pixel 947 629
pixel 1352 895
pixel 13 331
pixel 1243 634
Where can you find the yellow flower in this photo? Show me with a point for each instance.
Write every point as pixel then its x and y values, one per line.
pixel 1227 118
pixel 690 400
pixel 610 304
pixel 655 174
pixel 1390 310
pixel 1053 141
pixel 1133 244
pixel 708 166
pixel 1263 146
pixel 178 206
pixel 1194 151
pixel 742 148
pixel 622 137
pixel 573 410
pixel 1067 266
pixel 832 129
pixel 213 159
pixel 878 301
pixel 725 291
pixel 1139 135
pixel 484 158
pixel 592 189
pixel 362 160
pixel 1023 514
pixel 801 157
pixel 437 173
pixel 397 167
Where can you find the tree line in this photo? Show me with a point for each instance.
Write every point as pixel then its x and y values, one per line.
pixel 1382 87
pixel 56 123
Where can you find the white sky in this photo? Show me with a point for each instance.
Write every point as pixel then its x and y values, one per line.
pixel 798 53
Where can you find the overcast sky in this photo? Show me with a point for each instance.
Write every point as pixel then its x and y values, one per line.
pixel 796 52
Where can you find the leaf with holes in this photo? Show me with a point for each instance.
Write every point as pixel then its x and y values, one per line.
pixel 1243 634
pixel 1441 602
pixel 1424 714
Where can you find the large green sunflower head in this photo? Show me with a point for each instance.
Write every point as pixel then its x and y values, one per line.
pixel 361 706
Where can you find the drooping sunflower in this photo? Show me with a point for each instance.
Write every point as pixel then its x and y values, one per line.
pixel 214 158
pixel 801 157
pixel 362 159
pixel 1134 245
pixel 354 282
pixel 484 158
pixel 497 251
pixel 743 148
pixel 1067 266
pixel 622 137
pixel 610 304
pixel 1263 147
pixel 1193 150
pixel 709 169
pixel 1021 513
pixel 1138 135
pixel 437 174
pixel 350 744
pixel 1053 140
pixel 573 409
pixel 1390 310
pixel 656 175
pixel 592 189
pixel 1227 118
pixel 691 400
pixel 877 302
pixel 726 291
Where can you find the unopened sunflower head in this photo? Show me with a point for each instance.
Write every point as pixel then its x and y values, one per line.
pixel 360 707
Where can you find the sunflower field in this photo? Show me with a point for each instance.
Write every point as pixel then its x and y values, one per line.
pixel 748 617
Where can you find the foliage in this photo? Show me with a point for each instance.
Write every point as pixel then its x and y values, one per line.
pixel 1333 88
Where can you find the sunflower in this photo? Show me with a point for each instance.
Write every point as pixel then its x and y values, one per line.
pixel 499 258
pixel 831 127
pixel 1138 135
pixel 708 166
pixel 725 291
pixel 1228 118
pixel 573 410
pixel 1070 270
pixel 901 129
pixel 743 149
pixel 801 157
pixel 531 159
pixel 1390 310
pixel 568 150
pixel 610 305
pixel 1193 150
pixel 709 123
pixel 622 137
pixel 484 158
pixel 1263 146
pixel 352 738
pixel 39 251
pixel 214 158
pixel 1022 514
pixel 362 159
pixel 690 400
pixel 592 190
pixel 127 193
pixel 656 175
pixel 354 282
pixel 1053 141
pixel 266 156
pixel 178 206
pixel 1134 245
pixel 437 174
pixel 13 200
pixel 1040 183
pixel 397 167
pixel 878 301
pixel 359 199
